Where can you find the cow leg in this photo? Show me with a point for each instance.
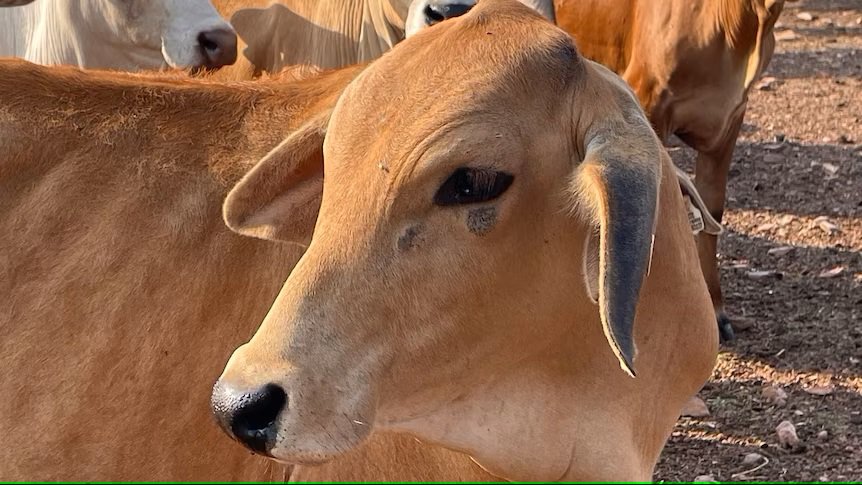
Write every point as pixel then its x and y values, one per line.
pixel 711 174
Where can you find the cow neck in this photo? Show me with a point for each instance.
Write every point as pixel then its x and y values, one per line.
pixel 703 22
pixel 13 41
pixel 63 33
pixel 558 416
pixel 358 31
pixel 382 28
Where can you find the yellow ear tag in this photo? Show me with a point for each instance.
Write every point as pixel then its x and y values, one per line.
pixel 695 218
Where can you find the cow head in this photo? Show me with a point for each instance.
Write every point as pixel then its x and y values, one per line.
pixel 489 199
pixel 181 33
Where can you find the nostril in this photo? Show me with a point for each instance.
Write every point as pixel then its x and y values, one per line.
pixel 209 45
pixel 250 417
pixel 218 47
pixel 439 11
pixel 433 15
pixel 259 410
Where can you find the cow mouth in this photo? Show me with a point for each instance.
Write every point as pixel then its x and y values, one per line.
pixel 316 449
pixel 302 459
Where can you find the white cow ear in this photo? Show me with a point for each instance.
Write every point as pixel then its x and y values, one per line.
pixel 280 197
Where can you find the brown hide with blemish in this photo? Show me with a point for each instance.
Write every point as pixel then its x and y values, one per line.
pixel 486 342
pixel 122 289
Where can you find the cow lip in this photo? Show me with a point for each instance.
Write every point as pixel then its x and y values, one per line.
pixel 303 461
pixel 262 453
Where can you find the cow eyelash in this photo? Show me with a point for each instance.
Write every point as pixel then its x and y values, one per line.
pixel 472 185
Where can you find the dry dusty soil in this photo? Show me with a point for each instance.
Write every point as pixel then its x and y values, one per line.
pixel 796 189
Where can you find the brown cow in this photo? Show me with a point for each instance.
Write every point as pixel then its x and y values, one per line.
pixel 123 290
pixel 691 64
pixel 114 256
pixel 499 231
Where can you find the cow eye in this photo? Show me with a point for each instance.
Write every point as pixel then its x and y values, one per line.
pixel 472 185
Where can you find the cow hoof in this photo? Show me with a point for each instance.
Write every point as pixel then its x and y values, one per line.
pixel 725 329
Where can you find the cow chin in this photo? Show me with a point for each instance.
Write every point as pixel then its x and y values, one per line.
pixel 315 433
pixel 303 458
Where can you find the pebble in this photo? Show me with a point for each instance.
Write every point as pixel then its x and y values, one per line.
pixel 826 225
pixel 820 390
pixel 741 324
pixel 759 275
pixel 831 273
pixel 752 459
pixel 774 395
pixel 830 168
pixel 787 436
pixel 766 83
pixel 705 479
pixel 786 35
pixel 695 408
pixel 780 251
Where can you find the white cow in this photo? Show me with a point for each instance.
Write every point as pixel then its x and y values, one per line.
pixel 117 34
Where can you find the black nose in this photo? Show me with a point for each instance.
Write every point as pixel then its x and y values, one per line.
pixel 438 11
pixel 249 416
pixel 218 47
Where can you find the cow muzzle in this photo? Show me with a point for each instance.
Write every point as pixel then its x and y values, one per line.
pixel 249 415
pixel 439 10
pixel 217 47
pixel 424 13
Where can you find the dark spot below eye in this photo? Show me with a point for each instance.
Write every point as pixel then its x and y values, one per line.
pixel 409 239
pixel 480 221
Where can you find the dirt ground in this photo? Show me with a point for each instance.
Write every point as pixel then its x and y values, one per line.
pixel 795 188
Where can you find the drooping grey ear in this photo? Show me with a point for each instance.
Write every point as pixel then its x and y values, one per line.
pixel 617 184
pixel 280 197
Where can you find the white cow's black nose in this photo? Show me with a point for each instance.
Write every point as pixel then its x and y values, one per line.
pixel 440 10
pixel 249 416
pixel 218 47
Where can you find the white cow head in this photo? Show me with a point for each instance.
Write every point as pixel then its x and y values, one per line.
pixel 125 34
pixel 183 33
pixel 474 177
